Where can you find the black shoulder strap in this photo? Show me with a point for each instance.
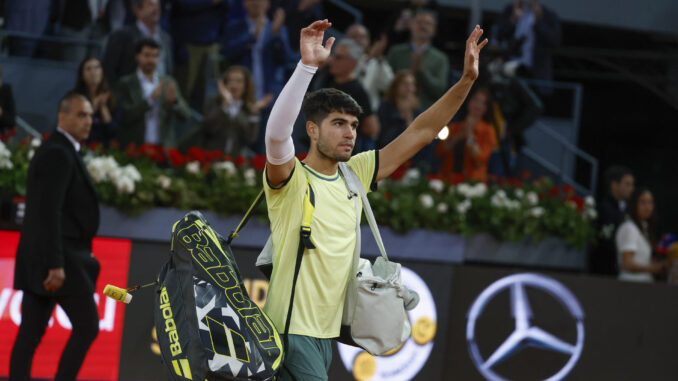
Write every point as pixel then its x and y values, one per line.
pixel 246 217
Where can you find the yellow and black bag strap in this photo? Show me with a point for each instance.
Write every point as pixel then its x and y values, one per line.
pixel 246 217
pixel 304 243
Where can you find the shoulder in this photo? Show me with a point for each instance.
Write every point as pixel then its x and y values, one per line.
pixel 627 228
pixel 55 149
pixel 128 80
pixel 400 49
pixel 437 54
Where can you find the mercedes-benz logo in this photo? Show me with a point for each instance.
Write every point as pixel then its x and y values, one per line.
pixel 525 334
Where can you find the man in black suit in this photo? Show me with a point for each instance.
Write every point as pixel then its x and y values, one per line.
pixel 619 183
pixel 119 56
pixel 54 262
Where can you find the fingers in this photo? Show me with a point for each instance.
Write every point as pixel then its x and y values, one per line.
pixel 482 44
pixel 320 25
pixel 329 43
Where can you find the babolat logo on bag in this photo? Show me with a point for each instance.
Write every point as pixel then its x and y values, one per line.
pixel 208 327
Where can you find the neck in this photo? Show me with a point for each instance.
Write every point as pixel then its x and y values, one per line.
pixel 149 74
pixel 343 78
pixel 419 43
pixel 321 163
pixel 151 27
pixel 92 91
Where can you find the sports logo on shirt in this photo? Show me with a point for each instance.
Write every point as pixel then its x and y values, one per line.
pixel 405 362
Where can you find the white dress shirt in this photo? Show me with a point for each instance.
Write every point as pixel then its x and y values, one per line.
pixel 152 133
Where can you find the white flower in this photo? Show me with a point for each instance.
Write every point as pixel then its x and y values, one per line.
pixel 426 200
pixel 250 177
pixel 164 181
pixel 30 154
pixel 442 208
pixel 5 157
pixel 412 174
pixel 537 211
pixel 479 190
pixel 464 206
pixel 532 198
pixel 464 189
pixel 436 185
pixel 123 184
pixel 193 167
pixel 131 171
pixel 519 193
pixel 590 213
pixel 501 194
pixel 590 201
pixel 35 143
pixel 226 166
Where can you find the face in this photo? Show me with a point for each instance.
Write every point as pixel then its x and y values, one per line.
pixel 623 189
pixel 92 72
pixel 336 136
pixel 255 8
pixel 407 86
pixel 359 34
pixel 341 62
pixel 235 83
pixel 78 120
pixel 149 12
pixel 645 206
pixel 477 106
pixel 147 59
pixel 423 27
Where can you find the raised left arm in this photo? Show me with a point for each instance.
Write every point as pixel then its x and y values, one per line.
pixel 429 123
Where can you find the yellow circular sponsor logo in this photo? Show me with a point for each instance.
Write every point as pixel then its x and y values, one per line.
pixel 424 330
pixel 364 366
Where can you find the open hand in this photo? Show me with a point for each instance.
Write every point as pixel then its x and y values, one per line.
pixel 263 102
pixel 313 53
pixel 226 96
pixel 472 55
pixel 171 93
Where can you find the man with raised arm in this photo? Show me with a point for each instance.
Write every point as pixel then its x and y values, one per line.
pixel 331 123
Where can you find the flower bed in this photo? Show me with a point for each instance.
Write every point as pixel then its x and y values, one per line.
pixel 139 178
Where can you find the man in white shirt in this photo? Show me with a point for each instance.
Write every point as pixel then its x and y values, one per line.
pixel 149 101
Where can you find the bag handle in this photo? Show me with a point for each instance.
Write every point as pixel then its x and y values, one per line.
pixel 246 217
pixel 353 184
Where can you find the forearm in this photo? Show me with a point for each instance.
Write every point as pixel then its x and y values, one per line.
pixel 279 145
pixel 431 121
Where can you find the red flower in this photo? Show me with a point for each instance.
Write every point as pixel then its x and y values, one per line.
pixel 214 155
pixel 388 195
pixel 515 182
pixel 259 162
pixel 115 145
pixel 153 152
pixel 567 189
pixel 228 158
pixel 176 157
pixel 197 154
pixel 554 191
pixel 525 174
pixel 131 150
pixel 578 201
pixel 430 177
pixel 399 173
pixel 93 146
pixel 457 178
pixel 301 156
pixel 45 135
pixel 240 161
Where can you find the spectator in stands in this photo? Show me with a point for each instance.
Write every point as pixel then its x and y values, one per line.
pixel 30 17
pixel 119 13
pixel 77 20
pixel 149 101
pixel 373 71
pixel 470 143
pixel 120 57
pixel 196 28
pixel 402 24
pixel 400 107
pixel 429 65
pixel 529 32
pixel 232 117
pixel 299 14
pixel 340 74
pixel 7 111
pixel 261 45
pixel 612 209
pixel 635 239
pixel 92 84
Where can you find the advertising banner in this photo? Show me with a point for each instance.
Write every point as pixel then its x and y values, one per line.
pixel 102 359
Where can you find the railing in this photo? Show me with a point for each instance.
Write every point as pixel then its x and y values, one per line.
pixel 559 169
pixel 23 125
pixel 92 44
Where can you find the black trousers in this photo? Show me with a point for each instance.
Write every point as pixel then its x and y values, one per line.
pixel 35 313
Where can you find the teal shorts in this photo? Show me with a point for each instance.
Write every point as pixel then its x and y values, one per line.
pixel 307 358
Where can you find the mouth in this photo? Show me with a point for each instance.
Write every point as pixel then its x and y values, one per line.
pixel 348 146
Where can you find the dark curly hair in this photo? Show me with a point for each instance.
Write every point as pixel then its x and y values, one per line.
pixel 650 230
pixel 320 103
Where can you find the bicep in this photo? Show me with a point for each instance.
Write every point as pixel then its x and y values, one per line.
pixel 627 260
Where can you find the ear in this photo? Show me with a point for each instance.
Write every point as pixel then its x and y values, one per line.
pixel 313 130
